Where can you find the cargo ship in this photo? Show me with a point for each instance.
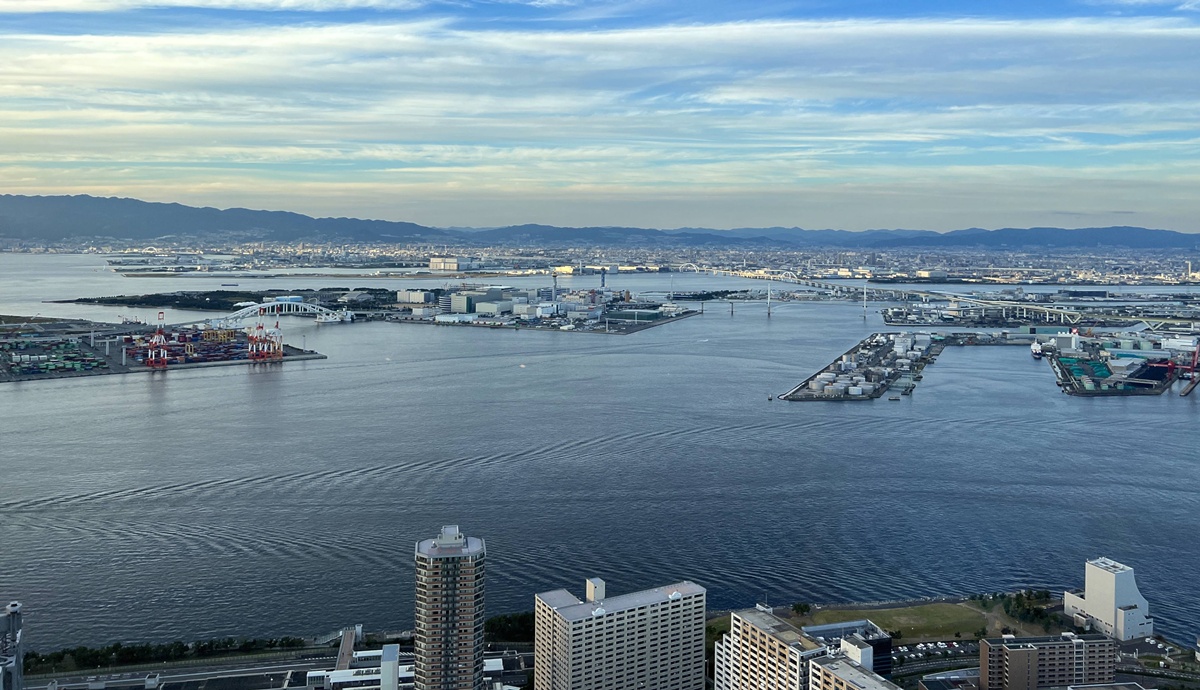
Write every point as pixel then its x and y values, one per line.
pixel 1036 350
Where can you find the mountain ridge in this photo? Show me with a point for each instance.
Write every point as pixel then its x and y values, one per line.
pixel 57 218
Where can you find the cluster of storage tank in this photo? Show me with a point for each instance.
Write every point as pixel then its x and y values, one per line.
pixel 861 374
pixel 908 348
pixel 830 383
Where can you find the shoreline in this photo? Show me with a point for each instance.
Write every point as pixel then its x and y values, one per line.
pixel 624 330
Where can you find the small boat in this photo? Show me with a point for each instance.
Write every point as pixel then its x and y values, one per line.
pixel 229 284
pixel 894 397
pixel 1036 350
pixel 770 397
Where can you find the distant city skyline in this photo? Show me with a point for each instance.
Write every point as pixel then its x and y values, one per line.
pixel 850 115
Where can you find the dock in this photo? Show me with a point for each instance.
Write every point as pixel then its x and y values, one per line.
pixel 1191 385
pixel 1087 377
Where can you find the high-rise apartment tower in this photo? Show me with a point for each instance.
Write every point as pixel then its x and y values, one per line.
pixel 449 612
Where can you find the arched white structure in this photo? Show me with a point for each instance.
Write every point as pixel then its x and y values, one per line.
pixel 684 267
pixel 279 308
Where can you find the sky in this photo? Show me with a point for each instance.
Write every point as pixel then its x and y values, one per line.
pixel 654 113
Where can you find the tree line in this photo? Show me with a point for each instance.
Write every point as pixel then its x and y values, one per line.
pixel 118 654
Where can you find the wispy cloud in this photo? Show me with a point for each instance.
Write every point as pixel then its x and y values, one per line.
pixel 1182 5
pixel 436 112
pixel 30 6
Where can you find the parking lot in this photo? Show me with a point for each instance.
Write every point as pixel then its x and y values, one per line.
pixel 933 650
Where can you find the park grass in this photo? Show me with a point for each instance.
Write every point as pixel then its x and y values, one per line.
pixel 720 624
pixel 938 621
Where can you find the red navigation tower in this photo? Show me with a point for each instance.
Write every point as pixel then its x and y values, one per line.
pixel 156 355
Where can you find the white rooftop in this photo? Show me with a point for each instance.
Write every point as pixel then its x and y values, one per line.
pixel 450 542
pixel 1110 565
pixel 854 674
pixel 571 608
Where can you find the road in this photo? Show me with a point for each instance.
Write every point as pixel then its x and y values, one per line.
pixel 137 678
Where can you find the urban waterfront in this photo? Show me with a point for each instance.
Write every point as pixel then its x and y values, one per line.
pixel 285 499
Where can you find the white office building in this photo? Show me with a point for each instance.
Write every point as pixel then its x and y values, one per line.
pixel 1110 603
pixel 11 653
pixel 652 639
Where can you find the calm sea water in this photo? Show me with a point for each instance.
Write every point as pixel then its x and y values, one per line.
pixel 286 499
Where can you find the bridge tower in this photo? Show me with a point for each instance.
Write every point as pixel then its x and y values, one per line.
pixel 156 355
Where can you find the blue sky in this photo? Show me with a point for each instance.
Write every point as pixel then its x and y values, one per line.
pixel 852 115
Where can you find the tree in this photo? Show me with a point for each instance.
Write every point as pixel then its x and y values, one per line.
pixel 511 627
pixel 801 609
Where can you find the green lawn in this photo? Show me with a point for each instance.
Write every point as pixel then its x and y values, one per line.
pixel 915 623
pixel 714 628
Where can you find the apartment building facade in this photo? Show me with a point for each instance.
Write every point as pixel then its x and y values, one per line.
pixel 1031 663
pixel 648 640
pixel 448 632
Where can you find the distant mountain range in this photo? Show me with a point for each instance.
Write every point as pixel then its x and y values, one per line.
pixel 56 218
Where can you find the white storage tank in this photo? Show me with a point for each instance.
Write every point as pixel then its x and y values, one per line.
pixel 855 390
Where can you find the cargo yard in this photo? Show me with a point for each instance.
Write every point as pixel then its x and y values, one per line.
pixel 74 349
